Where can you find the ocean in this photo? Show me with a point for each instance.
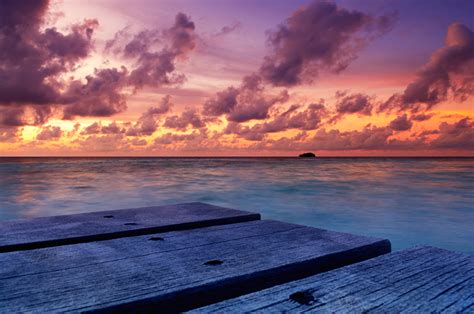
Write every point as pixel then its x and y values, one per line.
pixel 407 200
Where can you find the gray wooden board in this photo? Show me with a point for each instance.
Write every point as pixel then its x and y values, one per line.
pixel 172 272
pixel 24 234
pixel 418 280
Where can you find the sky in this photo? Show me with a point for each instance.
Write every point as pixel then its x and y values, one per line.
pixel 236 78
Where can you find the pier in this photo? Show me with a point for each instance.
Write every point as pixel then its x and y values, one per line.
pixel 205 258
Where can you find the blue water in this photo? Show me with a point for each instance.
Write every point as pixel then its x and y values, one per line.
pixel 407 200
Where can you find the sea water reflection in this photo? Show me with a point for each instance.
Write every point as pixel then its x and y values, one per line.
pixel 408 200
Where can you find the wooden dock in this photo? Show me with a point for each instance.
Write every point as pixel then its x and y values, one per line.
pixel 206 258
pixel 418 280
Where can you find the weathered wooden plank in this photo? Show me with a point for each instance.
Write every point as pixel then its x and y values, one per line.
pixel 25 234
pixel 176 270
pixel 417 280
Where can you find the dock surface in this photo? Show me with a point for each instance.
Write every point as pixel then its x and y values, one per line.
pixel 24 234
pixel 418 280
pixel 200 257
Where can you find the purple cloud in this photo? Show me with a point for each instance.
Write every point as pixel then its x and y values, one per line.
pixel 228 29
pixel 421 117
pixel 147 124
pixel 188 118
pixel 458 135
pixel 319 36
pixel 171 138
pixel 10 135
pixel 248 102
pixel 355 103
pixel 306 120
pixel 44 54
pixel 100 96
pixel 158 68
pixel 224 102
pixel 401 123
pixel 49 133
pixel 434 81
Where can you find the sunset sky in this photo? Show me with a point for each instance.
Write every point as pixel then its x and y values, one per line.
pixel 236 78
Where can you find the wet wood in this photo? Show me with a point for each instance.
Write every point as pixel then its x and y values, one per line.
pixel 174 271
pixel 418 280
pixel 26 234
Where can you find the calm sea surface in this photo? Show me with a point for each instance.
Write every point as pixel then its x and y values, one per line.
pixel 407 200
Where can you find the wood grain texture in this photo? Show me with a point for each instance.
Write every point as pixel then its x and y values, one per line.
pixel 417 280
pixel 173 271
pixel 25 234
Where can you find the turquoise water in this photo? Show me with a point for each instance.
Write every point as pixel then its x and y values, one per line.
pixel 407 200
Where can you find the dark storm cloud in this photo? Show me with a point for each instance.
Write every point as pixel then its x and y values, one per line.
pixel 319 36
pixel 401 123
pixel 434 81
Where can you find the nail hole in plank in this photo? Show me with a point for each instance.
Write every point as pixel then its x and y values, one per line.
pixel 156 239
pixel 213 262
pixel 302 297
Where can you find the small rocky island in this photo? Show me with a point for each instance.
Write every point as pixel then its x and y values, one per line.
pixel 307 155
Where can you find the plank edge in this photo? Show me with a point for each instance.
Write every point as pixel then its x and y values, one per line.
pixel 199 296
pixel 244 217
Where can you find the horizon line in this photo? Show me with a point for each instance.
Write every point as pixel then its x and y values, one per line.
pixel 249 156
